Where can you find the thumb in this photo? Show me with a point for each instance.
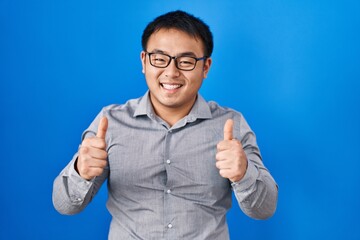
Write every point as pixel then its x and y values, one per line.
pixel 228 129
pixel 102 128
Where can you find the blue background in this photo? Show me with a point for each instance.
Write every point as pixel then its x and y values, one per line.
pixel 291 67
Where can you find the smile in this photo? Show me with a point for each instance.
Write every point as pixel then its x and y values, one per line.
pixel 170 86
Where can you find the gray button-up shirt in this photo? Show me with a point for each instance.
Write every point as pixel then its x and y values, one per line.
pixel 162 181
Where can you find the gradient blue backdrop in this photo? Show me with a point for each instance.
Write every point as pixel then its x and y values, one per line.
pixel 291 67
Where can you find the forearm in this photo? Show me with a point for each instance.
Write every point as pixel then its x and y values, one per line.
pixel 72 193
pixel 257 192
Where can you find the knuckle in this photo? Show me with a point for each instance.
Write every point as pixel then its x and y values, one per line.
pixel 83 167
pixel 217 164
pixel 98 143
pixel 83 171
pixel 222 173
pixel 104 164
pixel 86 142
pixel 102 155
pixel 83 150
pixel 102 144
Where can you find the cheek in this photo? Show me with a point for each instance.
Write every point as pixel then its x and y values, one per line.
pixel 196 79
pixel 148 71
pixel 151 76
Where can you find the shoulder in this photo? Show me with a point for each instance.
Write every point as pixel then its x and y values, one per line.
pixel 223 111
pixel 128 107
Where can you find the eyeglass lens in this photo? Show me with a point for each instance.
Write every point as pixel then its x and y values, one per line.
pixel 162 61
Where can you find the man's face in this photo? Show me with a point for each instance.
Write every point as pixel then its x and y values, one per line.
pixel 171 88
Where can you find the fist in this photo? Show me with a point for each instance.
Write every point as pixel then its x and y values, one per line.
pixel 92 154
pixel 231 159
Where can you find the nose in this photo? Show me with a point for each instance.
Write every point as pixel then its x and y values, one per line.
pixel 172 70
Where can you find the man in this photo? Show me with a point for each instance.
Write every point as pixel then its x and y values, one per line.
pixel 171 158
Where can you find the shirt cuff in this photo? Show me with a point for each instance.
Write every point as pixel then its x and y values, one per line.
pixel 249 178
pixel 76 179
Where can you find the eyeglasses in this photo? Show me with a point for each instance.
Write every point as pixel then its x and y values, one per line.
pixel 161 60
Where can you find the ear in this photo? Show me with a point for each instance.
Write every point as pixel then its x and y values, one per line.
pixel 206 68
pixel 143 61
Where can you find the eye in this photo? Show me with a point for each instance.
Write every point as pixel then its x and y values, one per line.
pixel 186 61
pixel 159 59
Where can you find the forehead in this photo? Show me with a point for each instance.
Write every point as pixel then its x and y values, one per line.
pixel 174 41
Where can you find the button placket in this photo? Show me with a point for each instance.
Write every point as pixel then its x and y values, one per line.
pixel 168 198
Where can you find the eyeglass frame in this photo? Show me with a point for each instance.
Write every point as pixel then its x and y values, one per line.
pixel 176 57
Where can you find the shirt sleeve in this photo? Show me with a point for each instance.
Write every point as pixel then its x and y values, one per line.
pixel 257 191
pixel 72 193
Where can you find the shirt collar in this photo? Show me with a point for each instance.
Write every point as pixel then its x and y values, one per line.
pixel 200 110
pixel 144 107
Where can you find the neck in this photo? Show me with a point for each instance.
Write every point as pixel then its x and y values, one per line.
pixel 172 115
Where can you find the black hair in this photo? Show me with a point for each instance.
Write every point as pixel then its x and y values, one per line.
pixel 182 21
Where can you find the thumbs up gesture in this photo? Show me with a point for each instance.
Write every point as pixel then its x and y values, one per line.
pixel 92 154
pixel 230 157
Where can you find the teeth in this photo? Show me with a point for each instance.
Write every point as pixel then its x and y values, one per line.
pixel 170 86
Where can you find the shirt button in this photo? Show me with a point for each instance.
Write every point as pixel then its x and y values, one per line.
pixel 170 225
pixel 168 191
pixel 168 161
pixel 78 199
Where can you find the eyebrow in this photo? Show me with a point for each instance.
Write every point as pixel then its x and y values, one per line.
pixel 189 54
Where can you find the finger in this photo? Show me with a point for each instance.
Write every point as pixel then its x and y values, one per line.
pixel 224 145
pixel 225 173
pixel 96 153
pixel 223 165
pixel 97 163
pixel 91 172
pixel 222 156
pixel 228 129
pixel 94 142
pixel 102 128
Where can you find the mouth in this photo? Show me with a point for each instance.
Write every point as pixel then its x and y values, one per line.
pixel 170 87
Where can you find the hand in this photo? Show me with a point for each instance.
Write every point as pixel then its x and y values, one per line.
pixel 230 158
pixel 92 154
